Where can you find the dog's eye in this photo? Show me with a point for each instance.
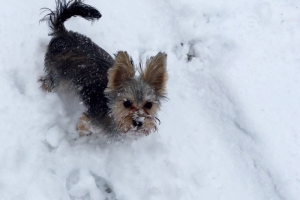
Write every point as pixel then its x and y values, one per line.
pixel 148 105
pixel 127 104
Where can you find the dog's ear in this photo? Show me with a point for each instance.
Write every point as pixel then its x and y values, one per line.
pixel 155 73
pixel 121 71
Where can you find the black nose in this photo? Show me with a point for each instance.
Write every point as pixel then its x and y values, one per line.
pixel 137 123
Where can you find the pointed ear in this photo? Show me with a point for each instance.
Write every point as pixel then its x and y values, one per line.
pixel 121 71
pixel 155 73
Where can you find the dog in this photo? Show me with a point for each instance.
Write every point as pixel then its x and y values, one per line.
pixel 117 101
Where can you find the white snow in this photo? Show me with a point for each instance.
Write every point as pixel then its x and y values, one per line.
pixel 54 136
pixel 230 129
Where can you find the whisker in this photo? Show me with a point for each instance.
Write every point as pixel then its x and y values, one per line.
pixel 157 120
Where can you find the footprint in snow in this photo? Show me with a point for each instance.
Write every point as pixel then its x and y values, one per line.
pixel 86 185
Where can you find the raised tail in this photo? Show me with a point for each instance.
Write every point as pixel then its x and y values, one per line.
pixel 64 11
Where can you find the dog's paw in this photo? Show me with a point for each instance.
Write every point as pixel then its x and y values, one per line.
pixel 83 126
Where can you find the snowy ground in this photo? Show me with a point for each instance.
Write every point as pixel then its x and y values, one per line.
pixel 230 129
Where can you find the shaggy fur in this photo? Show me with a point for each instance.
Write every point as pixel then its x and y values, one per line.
pixel 116 100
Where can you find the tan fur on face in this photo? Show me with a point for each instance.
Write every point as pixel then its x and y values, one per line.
pixel 149 126
pixel 121 71
pixel 124 116
pixel 155 73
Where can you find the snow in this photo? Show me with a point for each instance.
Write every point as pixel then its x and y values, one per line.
pixel 230 129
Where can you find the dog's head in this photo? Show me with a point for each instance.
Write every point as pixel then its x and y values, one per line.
pixel 135 100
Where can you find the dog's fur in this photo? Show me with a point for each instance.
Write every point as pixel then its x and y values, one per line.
pixel 116 100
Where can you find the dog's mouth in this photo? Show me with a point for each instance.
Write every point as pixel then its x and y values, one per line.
pixel 143 125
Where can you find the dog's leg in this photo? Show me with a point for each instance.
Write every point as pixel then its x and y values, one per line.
pixel 83 126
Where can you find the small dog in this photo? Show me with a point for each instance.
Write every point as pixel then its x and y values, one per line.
pixel 116 101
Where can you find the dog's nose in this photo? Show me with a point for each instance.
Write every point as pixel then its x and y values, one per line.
pixel 137 123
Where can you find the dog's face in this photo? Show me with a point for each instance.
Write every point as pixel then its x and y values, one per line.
pixel 134 101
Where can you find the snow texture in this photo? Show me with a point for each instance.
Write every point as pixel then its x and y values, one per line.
pixel 230 129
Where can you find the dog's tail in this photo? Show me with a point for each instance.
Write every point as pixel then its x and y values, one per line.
pixel 64 11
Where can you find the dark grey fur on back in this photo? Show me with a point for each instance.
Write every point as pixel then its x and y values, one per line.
pixel 74 61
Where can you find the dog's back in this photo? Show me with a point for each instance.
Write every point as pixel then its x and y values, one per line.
pixel 73 61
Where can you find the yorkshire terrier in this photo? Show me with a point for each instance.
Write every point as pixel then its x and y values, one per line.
pixel 116 100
